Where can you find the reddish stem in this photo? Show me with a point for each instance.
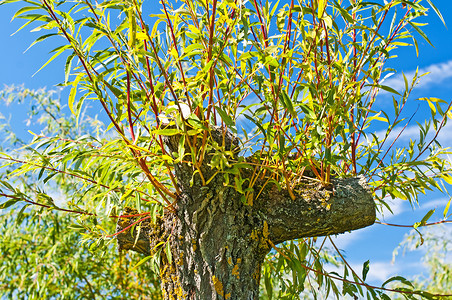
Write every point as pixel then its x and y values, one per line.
pixel 140 220
pixel 412 226
pixel 129 114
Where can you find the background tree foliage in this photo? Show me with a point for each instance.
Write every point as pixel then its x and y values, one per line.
pixel 436 244
pixel 43 255
pixel 297 82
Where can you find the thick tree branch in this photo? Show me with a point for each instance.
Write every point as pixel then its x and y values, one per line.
pixel 316 211
pixel 347 204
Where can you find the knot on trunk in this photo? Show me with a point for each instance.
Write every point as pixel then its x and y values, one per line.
pixel 138 233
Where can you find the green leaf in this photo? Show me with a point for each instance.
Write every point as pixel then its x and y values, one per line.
pixel 387 89
pixel 424 219
pixel 140 263
pixel 166 131
pixel 321 9
pixel 193 47
pixel 225 117
pixel 447 178
pixel 60 50
pixel 421 33
pixel 169 256
pixel 40 39
pixel 438 13
pixel 32 18
pixel 25 9
pixel 446 209
pixel 281 19
pixel 67 67
pixel 72 94
pixel 287 103
pixel 377 117
pixel 257 123
pixel 247 55
pixel 77 227
pixel 7 185
pixel 21 215
pixel 397 278
pixel 416 46
pixel 268 285
pixel 8 203
pixel 181 148
pixel 365 269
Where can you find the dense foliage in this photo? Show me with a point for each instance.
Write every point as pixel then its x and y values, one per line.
pixel 297 82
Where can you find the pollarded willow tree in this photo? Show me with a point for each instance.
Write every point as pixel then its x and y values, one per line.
pixel 237 133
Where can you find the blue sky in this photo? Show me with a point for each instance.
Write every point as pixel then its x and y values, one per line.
pixel 376 242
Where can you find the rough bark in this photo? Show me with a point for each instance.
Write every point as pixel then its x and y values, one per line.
pixel 218 243
pixel 316 211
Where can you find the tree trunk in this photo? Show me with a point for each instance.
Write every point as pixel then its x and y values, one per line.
pixel 218 240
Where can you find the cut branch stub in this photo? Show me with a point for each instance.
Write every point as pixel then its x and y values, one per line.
pixel 346 205
pixel 141 237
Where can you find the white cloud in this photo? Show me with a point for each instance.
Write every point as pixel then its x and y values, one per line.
pixel 343 240
pixel 437 74
pixel 436 203
pixel 381 271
